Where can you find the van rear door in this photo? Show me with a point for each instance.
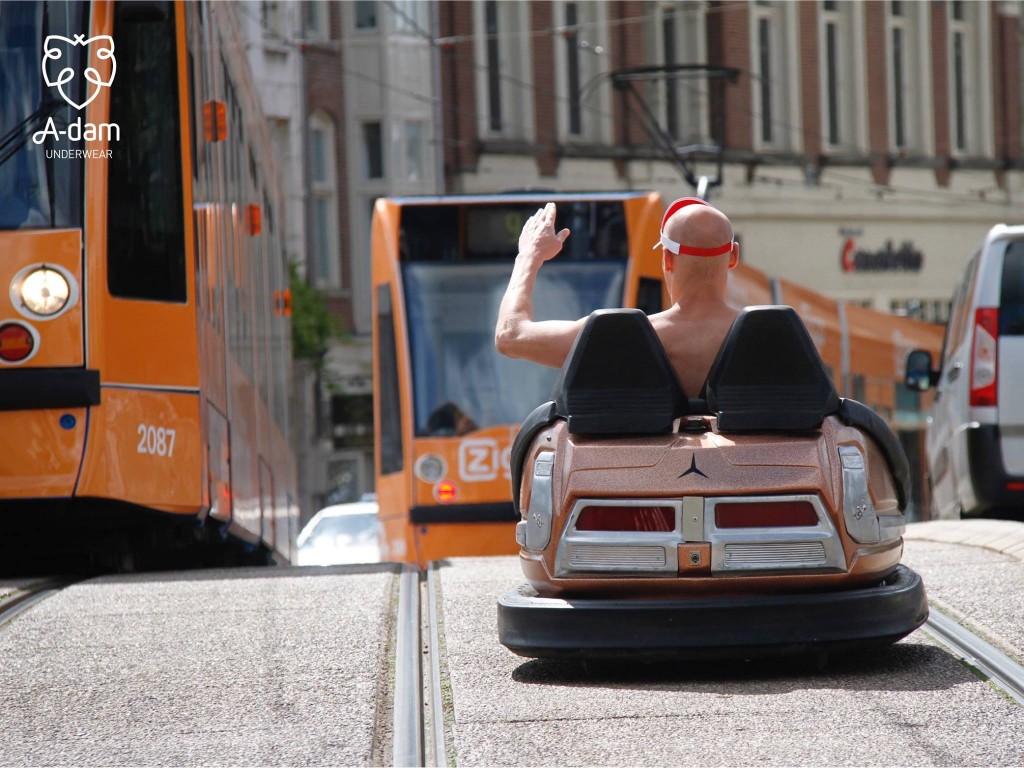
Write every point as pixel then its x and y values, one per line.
pixel 1011 358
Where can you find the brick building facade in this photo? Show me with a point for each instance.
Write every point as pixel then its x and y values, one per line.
pixel 900 120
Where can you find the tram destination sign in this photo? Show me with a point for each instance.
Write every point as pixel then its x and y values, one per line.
pixel 905 257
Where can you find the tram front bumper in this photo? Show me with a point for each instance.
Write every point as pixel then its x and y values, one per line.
pixel 730 627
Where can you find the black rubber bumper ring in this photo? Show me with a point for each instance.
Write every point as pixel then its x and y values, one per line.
pixel 718 627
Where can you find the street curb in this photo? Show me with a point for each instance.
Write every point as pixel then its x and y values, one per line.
pixel 1003 536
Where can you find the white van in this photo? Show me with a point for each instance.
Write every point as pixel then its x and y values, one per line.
pixel 975 436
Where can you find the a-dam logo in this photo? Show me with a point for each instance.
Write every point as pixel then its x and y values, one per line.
pixel 58 74
pixel 52 55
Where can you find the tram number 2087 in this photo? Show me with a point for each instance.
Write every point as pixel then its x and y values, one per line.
pixel 155 441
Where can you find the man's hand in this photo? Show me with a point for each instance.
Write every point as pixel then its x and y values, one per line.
pixel 517 335
pixel 538 239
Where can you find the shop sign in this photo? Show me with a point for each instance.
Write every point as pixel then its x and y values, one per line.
pixel 905 257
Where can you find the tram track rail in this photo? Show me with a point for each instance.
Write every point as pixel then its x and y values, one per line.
pixel 15 604
pixel 993 664
pixel 419 726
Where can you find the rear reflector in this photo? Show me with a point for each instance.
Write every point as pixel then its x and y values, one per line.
pixel 16 342
pixel 1015 486
pixel 984 358
pixel 653 519
pixel 765 514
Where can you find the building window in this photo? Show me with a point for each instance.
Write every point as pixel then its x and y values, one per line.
pixel 373 150
pixel 671 55
pixel 323 201
pixel 352 421
pixel 832 81
pixel 899 93
pixel 909 79
pixel 775 77
pixel 316 20
pixel 969 79
pixel 842 76
pixel 585 109
pixel 366 14
pixel 493 66
pixel 959 97
pixel 414 150
pixel 410 16
pixel 764 42
pixel 682 41
pixel 272 19
pixel 572 42
pixel 504 78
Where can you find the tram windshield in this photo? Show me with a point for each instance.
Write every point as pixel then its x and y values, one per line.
pixel 456 264
pixel 40 181
pixel 460 382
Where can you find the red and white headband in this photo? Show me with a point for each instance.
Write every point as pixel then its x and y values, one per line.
pixel 673 247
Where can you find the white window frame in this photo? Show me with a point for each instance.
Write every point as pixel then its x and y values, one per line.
pixel 326 267
pixel 316 20
pixel 691 92
pixel 978 115
pixel 273 20
pixel 406 17
pixel 915 26
pixel 851 80
pixel 786 120
pixel 514 53
pixel 595 107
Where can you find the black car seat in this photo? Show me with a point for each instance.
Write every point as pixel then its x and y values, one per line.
pixel 616 380
pixel 768 376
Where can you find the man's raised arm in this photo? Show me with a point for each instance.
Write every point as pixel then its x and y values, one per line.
pixel 517 334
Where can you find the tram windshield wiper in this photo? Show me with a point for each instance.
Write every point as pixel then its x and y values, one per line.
pixel 18 136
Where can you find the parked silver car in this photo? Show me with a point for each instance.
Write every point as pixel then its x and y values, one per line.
pixel 341 534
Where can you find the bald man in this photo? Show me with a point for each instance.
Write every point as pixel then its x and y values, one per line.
pixel 698 251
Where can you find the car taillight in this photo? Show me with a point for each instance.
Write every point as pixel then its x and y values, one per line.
pixel 653 519
pixel 984 357
pixel 765 514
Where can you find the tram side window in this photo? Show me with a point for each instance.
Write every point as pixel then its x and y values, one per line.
pixel 145 218
pixel 390 404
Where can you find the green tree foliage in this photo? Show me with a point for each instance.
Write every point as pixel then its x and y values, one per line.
pixel 313 325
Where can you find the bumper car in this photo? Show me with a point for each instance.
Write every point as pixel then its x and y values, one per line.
pixel 763 518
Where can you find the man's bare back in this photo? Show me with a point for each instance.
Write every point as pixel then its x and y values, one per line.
pixel 691 342
pixel 698 251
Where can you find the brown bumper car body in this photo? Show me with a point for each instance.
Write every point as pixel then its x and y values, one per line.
pixel 767 513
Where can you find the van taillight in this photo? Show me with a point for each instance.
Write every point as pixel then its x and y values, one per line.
pixel 984 357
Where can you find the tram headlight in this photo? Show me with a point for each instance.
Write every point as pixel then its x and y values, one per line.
pixel 430 468
pixel 45 291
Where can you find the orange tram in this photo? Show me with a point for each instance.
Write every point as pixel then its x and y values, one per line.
pixel 448 406
pixel 144 330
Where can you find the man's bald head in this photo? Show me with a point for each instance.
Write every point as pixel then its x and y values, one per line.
pixel 699 226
